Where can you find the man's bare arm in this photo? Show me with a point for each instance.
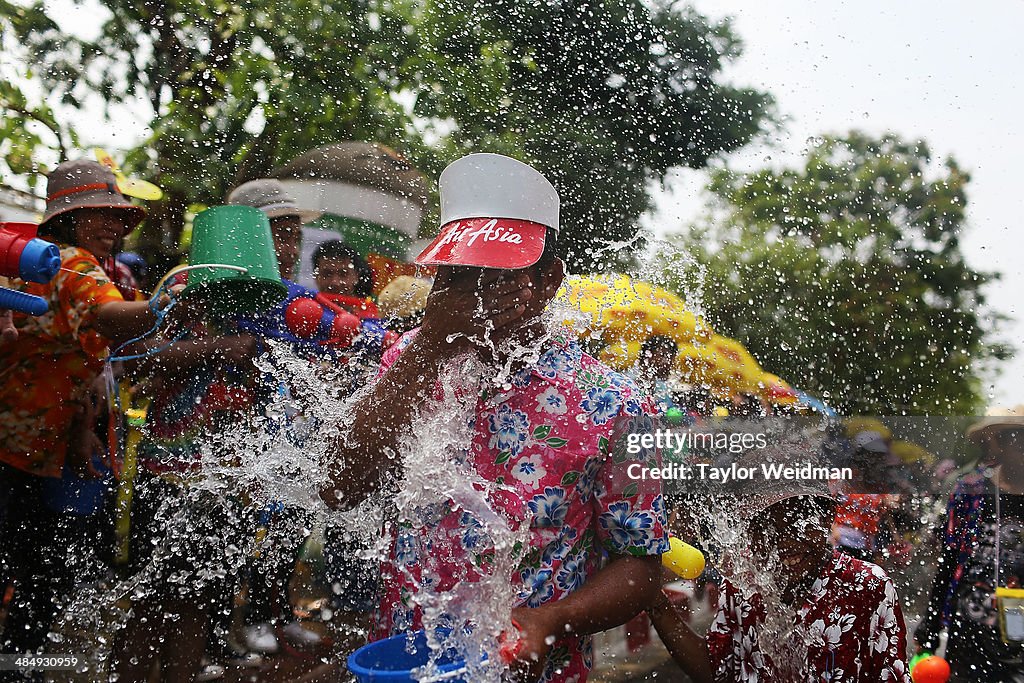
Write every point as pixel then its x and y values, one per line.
pixel 611 597
pixel 687 648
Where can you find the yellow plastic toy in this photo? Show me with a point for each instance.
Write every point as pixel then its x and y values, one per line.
pixel 683 559
pixel 132 187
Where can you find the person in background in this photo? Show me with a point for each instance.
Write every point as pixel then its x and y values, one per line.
pixel 864 505
pixel 285 215
pixel 270 615
pixel 982 548
pixel 654 369
pixel 339 269
pixel 849 625
pixel 199 387
pixel 344 276
pixel 49 370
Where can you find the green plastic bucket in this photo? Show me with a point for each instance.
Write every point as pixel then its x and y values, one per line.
pixel 234 236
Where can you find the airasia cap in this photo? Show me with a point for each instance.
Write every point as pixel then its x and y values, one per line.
pixel 495 212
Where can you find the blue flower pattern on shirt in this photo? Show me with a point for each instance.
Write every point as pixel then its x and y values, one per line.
pixel 628 527
pixel 547 443
pixel 602 404
pixel 549 509
pixel 509 429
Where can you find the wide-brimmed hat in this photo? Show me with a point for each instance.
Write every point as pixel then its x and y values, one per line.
pixel 84 184
pixel 495 213
pixel 269 196
pixel 997 419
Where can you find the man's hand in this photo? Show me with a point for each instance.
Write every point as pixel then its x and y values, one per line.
pixel 472 309
pixel 536 636
pixel 8 332
pixel 182 315
pixel 84 442
pixel 81 452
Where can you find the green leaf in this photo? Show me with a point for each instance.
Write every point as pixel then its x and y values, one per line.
pixel 556 442
pixel 541 432
pixel 503 457
pixel 569 478
pixel 631 490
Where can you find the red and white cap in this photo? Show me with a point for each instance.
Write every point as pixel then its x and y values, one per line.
pixel 495 212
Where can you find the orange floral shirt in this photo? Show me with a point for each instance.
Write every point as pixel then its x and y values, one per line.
pixel 45 374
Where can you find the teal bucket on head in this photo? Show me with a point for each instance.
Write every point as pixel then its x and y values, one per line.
pixel 234 236
pixel 393 660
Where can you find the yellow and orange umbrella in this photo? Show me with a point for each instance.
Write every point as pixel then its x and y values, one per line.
pixel 626 312
pixel 629 310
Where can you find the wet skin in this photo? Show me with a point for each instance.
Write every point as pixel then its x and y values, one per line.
pixel 99 230
pixel 336 276
pixel 287 234
pixel 796 531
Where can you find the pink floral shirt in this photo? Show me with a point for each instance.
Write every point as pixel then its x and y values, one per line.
pixel 851 626
pixel 548 444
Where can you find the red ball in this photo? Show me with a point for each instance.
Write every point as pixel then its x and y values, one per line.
pixel 931 670
pixel 302 317
pixel 344 329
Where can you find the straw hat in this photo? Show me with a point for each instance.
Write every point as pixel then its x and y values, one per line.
pixel 997 419
pixel 84 184
pixel 404 296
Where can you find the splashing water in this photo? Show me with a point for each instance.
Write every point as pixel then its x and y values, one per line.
pixel 282 456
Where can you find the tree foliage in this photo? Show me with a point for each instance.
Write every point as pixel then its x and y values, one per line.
pixel 232 89
pixel 845 276
pixel 603 96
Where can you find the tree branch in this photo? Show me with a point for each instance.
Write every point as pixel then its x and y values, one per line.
pixel 52 127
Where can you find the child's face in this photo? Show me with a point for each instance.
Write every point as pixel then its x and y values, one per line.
pixel 98 230
pixel 795 530
pixel 337 276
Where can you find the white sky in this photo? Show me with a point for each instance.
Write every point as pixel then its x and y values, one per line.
pixel 948 72
pixel 945 71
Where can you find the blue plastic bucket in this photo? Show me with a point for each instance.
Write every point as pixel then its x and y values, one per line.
pixel 392 660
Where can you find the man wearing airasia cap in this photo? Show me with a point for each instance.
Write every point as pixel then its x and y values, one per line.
pixel 541 440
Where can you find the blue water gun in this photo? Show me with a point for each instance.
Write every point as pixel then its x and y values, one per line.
pixel 25 256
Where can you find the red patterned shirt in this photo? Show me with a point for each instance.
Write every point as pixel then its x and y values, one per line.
pixel 850 629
